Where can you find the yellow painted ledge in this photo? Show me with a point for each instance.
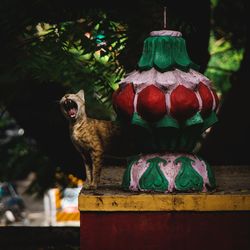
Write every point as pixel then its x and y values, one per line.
pixel 164 202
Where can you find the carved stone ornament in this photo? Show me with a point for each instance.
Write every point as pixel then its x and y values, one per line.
pixel 171 104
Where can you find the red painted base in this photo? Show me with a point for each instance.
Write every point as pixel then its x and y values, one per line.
pixel 165 230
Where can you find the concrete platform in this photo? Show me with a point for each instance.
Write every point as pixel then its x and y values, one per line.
pixel 114 219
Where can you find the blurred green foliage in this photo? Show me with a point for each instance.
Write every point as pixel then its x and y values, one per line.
pixel 79 54
pixel 227 42
pixel 224 61
pixel 71 53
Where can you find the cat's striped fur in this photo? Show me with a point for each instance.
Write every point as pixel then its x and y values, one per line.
pixel 91 137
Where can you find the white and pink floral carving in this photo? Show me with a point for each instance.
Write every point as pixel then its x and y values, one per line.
pixel 169 168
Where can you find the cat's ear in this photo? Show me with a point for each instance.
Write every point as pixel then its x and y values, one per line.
pixel 81 94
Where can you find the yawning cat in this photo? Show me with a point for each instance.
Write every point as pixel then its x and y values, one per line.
pixel 91 137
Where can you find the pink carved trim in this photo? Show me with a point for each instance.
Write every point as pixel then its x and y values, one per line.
pixel 199 99
pixel 200 167
pixel 214 102
pixel 168 103
pixel 170 171
pixel 135 102
pixel 165 33
pixel 167 81
pixel 137 171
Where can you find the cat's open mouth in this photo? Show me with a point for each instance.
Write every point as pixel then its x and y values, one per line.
pixel 70 107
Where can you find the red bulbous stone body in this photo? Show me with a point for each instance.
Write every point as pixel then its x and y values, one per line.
pixel 184 103
pixel 206 98
pixel 151 104
pixel 123 100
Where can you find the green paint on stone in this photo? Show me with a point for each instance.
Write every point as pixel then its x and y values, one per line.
pixel 126 176
pixel 167 121
pixel 168 134
pixel 165 53
pixel 153 179
pixel 166 139
pixel 137 120
pixel 187 179
pixel 189 137
pixel 210 121
pixel 194 120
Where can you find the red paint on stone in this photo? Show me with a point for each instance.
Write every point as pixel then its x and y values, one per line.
pixel 176 230
pixel 207 99
pixel 151 103
pixel 123 100
pixel 184 103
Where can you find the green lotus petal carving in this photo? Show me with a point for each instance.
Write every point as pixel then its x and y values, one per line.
pixel 137 120
pixel 210 121
pixel 194 120
pixel 127 174
pixel 187 178
pixel 165 53
pixel 153 179
pixel 167 121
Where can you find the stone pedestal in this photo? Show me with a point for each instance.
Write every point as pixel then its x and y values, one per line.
pixel 168 172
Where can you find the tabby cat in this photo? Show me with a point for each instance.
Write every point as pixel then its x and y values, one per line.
pixel 93 138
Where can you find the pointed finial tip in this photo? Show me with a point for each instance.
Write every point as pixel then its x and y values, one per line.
pixel 165 18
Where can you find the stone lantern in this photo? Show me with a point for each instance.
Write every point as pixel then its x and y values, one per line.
pixel 170 104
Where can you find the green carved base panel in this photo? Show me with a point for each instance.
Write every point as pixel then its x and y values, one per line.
pixel 168 172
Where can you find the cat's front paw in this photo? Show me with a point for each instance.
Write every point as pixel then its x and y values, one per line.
pixel 86 186
pixel 93 186
pixel 89 186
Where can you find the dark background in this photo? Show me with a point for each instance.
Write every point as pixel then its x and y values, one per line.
pixel 29 96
